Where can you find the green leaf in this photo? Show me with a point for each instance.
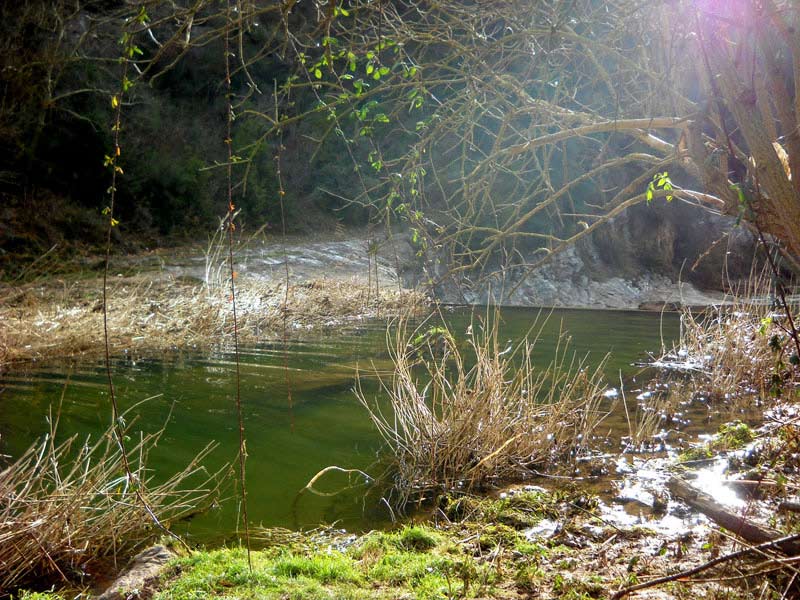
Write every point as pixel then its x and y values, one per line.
pixel 318 73
pixel 766 323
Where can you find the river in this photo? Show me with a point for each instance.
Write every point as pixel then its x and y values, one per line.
pixel 191 395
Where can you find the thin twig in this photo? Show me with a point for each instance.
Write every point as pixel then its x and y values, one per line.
pixel 231 227
pixel 117 423
pixel 772 544
pixel 285 307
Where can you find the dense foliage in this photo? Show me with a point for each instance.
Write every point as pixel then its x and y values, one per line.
pixel 500 132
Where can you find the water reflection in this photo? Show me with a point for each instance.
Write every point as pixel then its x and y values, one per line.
pixel 287 445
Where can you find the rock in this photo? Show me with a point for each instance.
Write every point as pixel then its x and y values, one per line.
pixel 660 306
pixel 139 578
pixel 652 256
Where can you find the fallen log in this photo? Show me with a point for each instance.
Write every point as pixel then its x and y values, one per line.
pixel 743 527
pixel 789 506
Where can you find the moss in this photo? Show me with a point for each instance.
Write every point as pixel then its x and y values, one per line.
pixel 518 510
pixel 696 453
pixel 570 587
pixel 732 436
pixel 529 577
pixel 413 562
pixel 407 567
pixel 287 574
pixel 523 547
pixel 418 538
pixel 412 538
pixel 491 536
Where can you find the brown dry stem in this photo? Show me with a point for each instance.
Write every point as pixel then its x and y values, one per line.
pixel 464 416
pixel 66 505
pixel 61 319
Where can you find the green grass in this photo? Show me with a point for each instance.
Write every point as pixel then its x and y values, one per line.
pixel 484 554
pixel 415 562
pixel 729 436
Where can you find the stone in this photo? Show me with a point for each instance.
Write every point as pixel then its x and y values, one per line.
pixel 138 580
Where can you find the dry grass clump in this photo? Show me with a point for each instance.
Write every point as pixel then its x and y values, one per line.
pixel 67 508
pixel 463 417
pixel 161 313
pixel 739 351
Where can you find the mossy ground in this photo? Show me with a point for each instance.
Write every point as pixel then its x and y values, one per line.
pixel 472 548
pixel 730 436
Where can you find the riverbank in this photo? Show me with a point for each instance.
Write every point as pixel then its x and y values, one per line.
pixel 182 299
pixel 529 543
pixel 562 540
pixel 524 542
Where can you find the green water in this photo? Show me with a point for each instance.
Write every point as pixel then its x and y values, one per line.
pixel 192 393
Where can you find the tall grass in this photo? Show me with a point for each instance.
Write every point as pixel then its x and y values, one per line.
pixel 466 416
pixel 66 507
pixel 740 350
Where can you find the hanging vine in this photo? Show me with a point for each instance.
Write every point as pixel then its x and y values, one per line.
pixel 129 53
pixel 231 227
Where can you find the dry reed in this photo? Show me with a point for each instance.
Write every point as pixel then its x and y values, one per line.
pixel 739 351
pixel 67 508
pixel 40 321
pixel 649 413
pixel 461 419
